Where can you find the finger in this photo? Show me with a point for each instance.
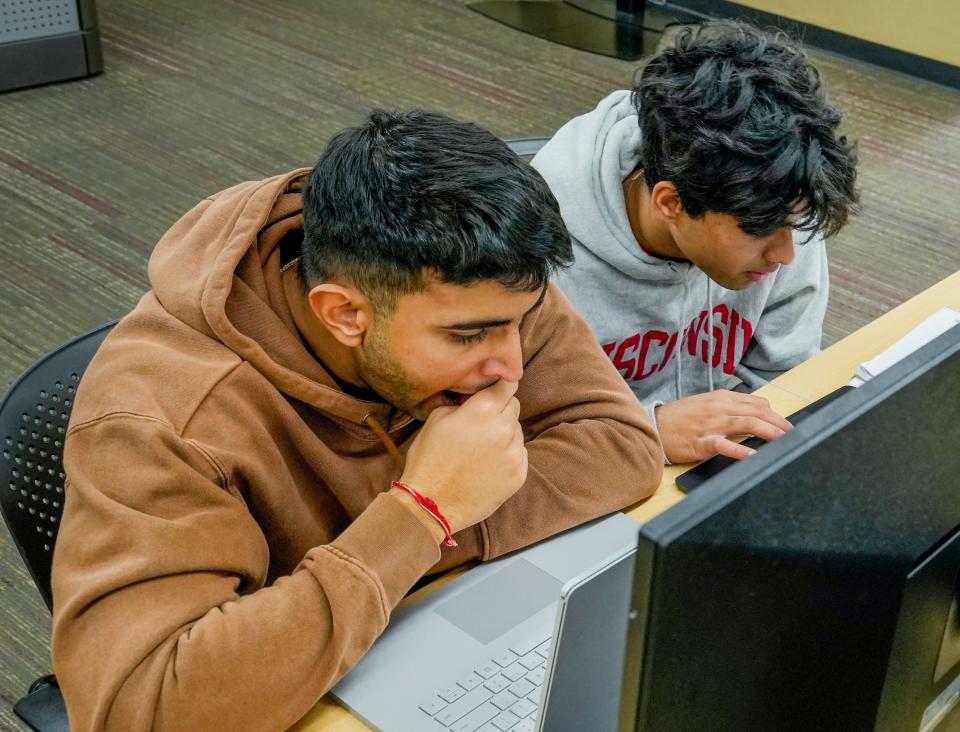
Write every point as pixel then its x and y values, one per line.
pixel 524 466
pixel 751 400
pixel 753 426
pixel 439 412
pixel 495 397
pixel 778 421
pixel 507 439
pixel 760 407
pixel 519 459
pixel 771 417
pixel 518 438
pixel 512 410
pixel 729 448
pixel 767 416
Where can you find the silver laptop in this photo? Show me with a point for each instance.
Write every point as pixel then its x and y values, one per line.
pixel 532 642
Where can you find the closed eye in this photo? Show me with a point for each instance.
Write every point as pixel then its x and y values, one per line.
pixel 468 338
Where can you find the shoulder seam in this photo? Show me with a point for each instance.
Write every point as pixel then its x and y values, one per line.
pixel 202 451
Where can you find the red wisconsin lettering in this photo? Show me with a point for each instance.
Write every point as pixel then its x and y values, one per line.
pixel 691 334
pixel 747 327
pixel 669 351
pixel 651 335
pixel 626 365
pixel 634 357
pixel 713 355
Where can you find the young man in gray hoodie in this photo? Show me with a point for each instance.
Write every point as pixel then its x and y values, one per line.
pixel 697 204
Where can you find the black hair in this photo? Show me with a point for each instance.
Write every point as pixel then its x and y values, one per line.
pixel 737 119
pixel 410 194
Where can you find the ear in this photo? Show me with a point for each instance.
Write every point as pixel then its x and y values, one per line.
pixel 343 310
pixel 666 201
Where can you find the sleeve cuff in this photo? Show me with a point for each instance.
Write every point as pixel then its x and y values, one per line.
pixel 652 413
pixel 392 544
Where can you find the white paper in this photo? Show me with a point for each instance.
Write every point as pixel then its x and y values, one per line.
pixel 938 323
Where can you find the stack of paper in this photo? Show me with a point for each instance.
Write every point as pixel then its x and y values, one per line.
pixel 938 323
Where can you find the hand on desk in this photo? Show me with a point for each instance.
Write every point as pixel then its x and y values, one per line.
pixel 470 458
pixel 697 427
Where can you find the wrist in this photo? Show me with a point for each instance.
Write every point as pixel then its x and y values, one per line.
pixel 410 503
pixel 426 510
pixel 658 426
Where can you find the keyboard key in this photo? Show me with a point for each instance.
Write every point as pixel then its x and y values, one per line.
pixel 522 648
pixel 524 725
pixel 463 706
pixel 535 698
pixel 513 672
pixel 532 660
pixel 521 688
pixel 505 658
pixel 479 716
pixel 498 683
pixel 471 682
pixel 451 693
pixel 537 675
pixel 488 669
pixel 505 720
pixel 433 706
pixel 504 700
pixel 523 708
pixel 490 728
pixel 544 649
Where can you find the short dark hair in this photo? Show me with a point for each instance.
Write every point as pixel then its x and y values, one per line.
pixel 407 194
pixel 737 119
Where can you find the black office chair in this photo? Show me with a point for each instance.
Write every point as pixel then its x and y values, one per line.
pixel 33 423
pixel 527 147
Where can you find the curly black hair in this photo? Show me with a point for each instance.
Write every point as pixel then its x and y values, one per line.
pixel 737 119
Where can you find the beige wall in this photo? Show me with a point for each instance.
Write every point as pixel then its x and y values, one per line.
pixel 929 28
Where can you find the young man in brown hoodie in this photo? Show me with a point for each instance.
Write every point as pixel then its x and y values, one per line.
pixel 233 539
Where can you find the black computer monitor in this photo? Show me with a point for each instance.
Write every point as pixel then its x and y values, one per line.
pixel 813 586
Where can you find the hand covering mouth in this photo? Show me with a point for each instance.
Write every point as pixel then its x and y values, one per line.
pixel 455 398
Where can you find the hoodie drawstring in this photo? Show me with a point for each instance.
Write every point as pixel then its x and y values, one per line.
pixel 710 333
pixel 388 443
pixel 683 324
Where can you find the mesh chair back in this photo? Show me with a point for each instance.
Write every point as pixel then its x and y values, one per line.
pixel 33 424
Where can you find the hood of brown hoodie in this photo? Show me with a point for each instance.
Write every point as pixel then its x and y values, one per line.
pixel 218 270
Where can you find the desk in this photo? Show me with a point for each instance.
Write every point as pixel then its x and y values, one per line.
pixel 816 377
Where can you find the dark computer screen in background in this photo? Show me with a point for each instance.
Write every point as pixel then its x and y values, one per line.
pixel 814 585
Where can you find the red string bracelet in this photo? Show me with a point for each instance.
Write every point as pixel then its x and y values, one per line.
pixel 430 506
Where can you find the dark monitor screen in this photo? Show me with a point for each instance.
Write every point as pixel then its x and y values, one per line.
pixel 813 586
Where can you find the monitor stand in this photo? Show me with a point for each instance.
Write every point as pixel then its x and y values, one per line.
pixel 623 29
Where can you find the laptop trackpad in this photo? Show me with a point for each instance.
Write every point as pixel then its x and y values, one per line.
pixel 502 601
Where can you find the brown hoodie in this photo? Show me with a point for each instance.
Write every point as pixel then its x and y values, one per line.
pixel 227 550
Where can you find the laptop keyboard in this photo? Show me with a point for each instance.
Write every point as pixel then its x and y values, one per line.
pixel 499 695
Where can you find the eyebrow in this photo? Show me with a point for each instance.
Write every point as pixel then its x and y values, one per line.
pixel 481 324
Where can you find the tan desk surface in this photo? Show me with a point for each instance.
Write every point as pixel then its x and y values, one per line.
pixel 806 383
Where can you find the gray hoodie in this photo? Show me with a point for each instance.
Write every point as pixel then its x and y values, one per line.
pixel 668 328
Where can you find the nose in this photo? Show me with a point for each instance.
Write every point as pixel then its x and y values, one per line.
pixel 506 361
pixel 780 249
